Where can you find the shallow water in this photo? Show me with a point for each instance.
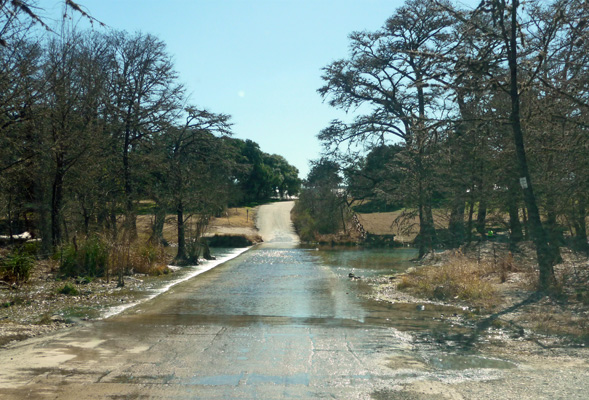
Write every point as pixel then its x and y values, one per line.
pixel 278 321
pixel 299 285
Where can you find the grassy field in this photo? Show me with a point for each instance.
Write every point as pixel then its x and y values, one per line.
pixel 240 220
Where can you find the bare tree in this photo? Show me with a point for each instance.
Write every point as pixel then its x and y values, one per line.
pixel 144 98
pixel 396 72
pixel 194 172
pixel 16 15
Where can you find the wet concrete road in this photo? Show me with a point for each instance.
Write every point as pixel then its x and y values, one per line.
pixel 273 323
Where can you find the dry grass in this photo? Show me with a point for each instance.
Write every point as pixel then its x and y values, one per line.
pixel 460 278
pixel 490 278
pixel 388 224
pixel 148 259
pixel 241 217
pixel 145 222
pixel 404 224
pixel 233 218
pixel 564 323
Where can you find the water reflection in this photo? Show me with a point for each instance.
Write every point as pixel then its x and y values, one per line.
pixel 367 262
pixel 305 288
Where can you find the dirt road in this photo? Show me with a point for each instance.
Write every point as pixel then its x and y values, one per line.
pixel 274 224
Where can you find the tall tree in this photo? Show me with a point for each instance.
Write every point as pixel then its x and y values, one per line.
pixel 196 174
pixel 144 99
pixel 509 28
pixel 393 72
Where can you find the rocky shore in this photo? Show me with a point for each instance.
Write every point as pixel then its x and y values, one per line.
pixel 44 304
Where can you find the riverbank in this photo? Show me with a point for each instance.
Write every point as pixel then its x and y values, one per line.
pixel 495 286
pixel 46 303
pixel 497 290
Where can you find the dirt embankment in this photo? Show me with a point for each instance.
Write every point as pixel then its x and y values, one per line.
pixel 46 302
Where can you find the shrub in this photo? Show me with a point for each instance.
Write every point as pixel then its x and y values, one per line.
pixel 304 225
pixel 68 289
pixel 16 267
pixel 89 258
pixel 319 210
pixel 31 248
pixel 147 259
pixel 97 256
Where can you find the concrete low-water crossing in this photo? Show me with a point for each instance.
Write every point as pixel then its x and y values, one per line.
pixel 278 321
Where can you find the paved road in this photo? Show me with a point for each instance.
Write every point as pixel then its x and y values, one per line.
pixel 273 323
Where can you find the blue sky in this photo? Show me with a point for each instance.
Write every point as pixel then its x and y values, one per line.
pixel 258 60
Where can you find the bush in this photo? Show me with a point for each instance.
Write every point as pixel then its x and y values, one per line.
pixel 229 241
pixel 319 210
pixel 97 256
pixel 90 258
pixel 304 225
pixel 460 278
pixel 31 248
pixel 16 267
pixel 147 259
pixel 69 290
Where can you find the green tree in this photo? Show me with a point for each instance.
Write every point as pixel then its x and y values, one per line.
pixel 322 206
pixel 285 177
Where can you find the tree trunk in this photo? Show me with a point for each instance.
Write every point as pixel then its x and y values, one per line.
pixel 515 227
pixel 580 224
pixel 427 231
pixel 57 201
pixel 456 224
pixel 526 225
pixel 482 217
pixel 430 226
pixel 482 210
pixel 543 252
pixel 342 212
pixel 554 234
pixel 130 215
pixel 181 255
pixel 157 229
pixel 469 224
pixel 421 244
pixel 113 220
pixel 41 194
pixel 87 217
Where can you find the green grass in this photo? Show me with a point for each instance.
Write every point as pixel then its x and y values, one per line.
pixel 17 266
pixel 68 289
